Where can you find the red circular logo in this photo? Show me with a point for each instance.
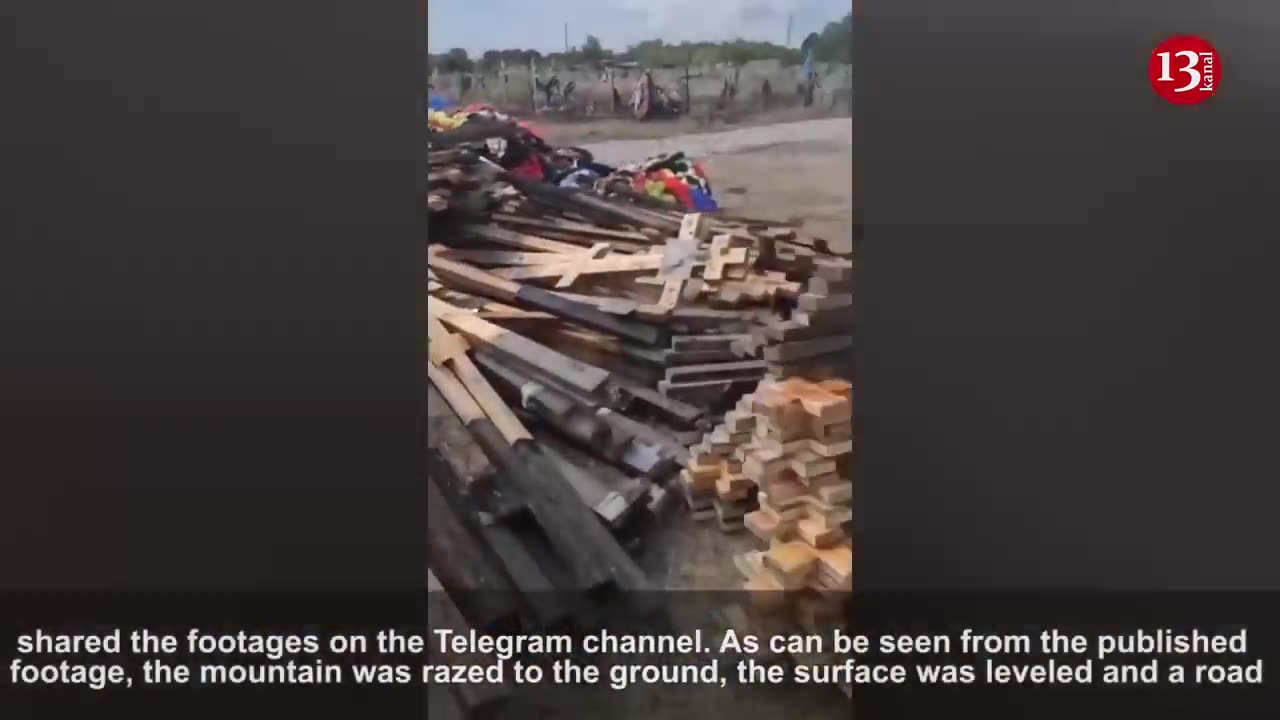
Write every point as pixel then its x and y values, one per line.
pixel 1185 70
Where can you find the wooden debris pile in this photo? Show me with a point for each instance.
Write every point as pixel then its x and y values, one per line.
pixel 587 339
pixel 602 302
pixel 713 483
pixel 815 342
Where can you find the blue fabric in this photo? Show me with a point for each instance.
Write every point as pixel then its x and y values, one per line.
pixel 701 200
pixel 438 103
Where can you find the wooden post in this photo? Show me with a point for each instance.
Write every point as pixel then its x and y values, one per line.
pixel 533 84
pixel 688 104
pixel 849 74
pixel 502 68
pixel 613 94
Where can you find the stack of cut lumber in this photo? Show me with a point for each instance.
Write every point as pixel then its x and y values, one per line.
pixel 713 482
pixel 816 340
pixel 799 460
pixel 786 446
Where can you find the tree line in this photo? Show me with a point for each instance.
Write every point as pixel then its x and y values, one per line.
pixel 833 44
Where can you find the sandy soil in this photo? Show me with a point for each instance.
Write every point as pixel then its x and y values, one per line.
pixel 807 181
pixel 800 170
pixel 576 132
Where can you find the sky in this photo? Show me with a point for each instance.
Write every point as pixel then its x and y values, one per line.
pixel 479 25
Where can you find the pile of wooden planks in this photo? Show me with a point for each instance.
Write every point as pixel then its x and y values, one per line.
pixel 713 482
pixel 816 340
pixel 623 328
pixel 786 447
pixel 586 340
pixel 793 442
pixel 800 459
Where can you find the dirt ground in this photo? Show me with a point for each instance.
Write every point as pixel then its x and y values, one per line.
pixel 785 166
pixel 578 132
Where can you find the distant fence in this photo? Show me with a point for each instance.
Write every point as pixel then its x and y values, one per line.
pixel 594 89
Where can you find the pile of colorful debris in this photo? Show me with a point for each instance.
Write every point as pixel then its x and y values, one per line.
pixel 440 118
pixel 519 149
pixel 672 178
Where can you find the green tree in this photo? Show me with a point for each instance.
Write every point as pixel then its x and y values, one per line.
pixel 835 42
pixel 591 49
pixel 456 60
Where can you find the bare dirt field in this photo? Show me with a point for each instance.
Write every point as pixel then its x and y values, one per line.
pixel 800 170
pixel 578 131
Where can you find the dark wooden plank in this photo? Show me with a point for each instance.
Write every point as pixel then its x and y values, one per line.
pixel 593 556
pixel 565 414
pixel 535 298
pixel 592 317
pixel 548 605
pixel 479 701
pixel 466 565
pixel 798 350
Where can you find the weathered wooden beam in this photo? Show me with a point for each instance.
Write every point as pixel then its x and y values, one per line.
pixel 593 556
pixel 501 258
pixel 591 317
pixel 466 565
pixel 625 247
pixel 455 394
pixel 565 414
pixel 479 701
pixel 450 350
pixel 521 241
pixel 472 279
pixel 576 373
pixel 613 494
pixel 557 224
pixel 583 266
pixel 597 342
pixel 680 413
pixel 536 590
pixel 548 604
pixel 499 288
